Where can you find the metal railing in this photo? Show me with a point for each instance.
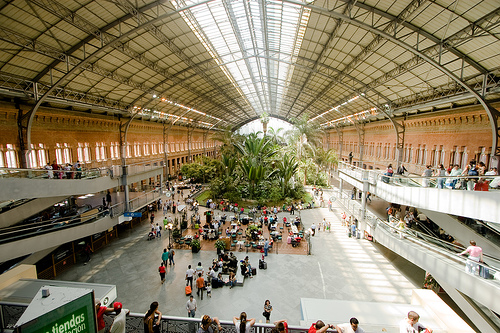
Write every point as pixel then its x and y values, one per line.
pixel 113 170
pixel 52 174
pixel 450 250
pixel 18 232
pixel 445 182
pixel 11 312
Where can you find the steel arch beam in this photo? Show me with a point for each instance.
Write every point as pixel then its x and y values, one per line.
pixel 26 119
pixel 493 114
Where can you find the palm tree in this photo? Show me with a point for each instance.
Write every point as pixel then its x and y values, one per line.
pixel 325 159
pixel 274 135
pixel 254 152
pixel 304 136
pixel 286 169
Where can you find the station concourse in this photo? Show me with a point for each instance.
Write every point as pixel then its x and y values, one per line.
pixel 114 97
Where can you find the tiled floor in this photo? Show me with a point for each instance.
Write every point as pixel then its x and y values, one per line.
pixel 339 268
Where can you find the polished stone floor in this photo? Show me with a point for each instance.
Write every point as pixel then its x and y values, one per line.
pixel 338 268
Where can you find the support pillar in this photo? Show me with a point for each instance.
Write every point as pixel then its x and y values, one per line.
pixel 362 224
pixel 123 154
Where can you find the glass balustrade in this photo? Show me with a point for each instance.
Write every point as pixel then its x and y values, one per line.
pixel 22 231
pixel 89 173
pixel 465 182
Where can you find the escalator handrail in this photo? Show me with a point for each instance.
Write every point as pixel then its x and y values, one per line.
pixel 443 245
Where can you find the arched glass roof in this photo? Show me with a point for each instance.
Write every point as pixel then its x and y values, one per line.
pixel 214 63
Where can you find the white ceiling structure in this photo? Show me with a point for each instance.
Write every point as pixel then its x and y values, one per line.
pixel 218 63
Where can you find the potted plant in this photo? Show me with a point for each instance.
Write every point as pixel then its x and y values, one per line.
pixel 195 245
pixel 176 233
pixel 220 245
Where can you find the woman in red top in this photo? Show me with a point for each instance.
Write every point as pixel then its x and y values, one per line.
pixel 162 271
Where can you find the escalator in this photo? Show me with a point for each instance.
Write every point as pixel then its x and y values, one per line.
pixel 16 211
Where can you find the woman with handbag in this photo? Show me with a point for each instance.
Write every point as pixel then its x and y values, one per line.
pixel 267 310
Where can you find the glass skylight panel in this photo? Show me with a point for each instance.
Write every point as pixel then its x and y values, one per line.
pixel 235 33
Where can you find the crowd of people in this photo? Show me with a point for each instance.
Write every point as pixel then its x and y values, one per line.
pixel 67 170
pixel 474 177
pixel 152 321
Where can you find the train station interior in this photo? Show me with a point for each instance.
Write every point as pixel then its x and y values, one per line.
pixel 103 102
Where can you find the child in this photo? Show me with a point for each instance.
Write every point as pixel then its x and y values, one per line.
pixel 209 290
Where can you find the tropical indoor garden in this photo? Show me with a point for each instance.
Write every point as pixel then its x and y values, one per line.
pixel 266 168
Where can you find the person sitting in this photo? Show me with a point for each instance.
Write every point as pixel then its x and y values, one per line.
pixel 244 269
pixel 232 280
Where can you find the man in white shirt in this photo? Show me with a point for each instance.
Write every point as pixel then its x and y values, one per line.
pixel 351 327
pixel 118 325
pixel 189 276
pixel 191 306
pixel 411 324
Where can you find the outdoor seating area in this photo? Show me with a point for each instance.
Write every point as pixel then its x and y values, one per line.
pixel 246 234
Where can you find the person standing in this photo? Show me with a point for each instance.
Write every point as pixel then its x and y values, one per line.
pixel 50 173
pixel 267 310
pixel 313 228
pixel 100 311
pixel 353 193
pixel 350 157
pixel 475 256
pixel 164 257
pixel 152 319
pixel 242 324
pixel 200 284
pixel 118 325
pixel 158 230
pixel 171 254
pixel 266 247
pixel 87 250
pixel 411 325
pixel 319 327
pixel 189 276
pixel 353 229
pixel 162 271
pixel 351 327
pixel 191 306
pixel 206 324
pixel 280 326
pixel 108 199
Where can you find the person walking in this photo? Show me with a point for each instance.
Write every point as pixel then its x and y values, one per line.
pixel 266 247
pixel 171 254
pixel 164 257
pixel 189 276
pixel 191 306
pixel 87 250
pixel 162 271
pixel 200 284
pixel 267 310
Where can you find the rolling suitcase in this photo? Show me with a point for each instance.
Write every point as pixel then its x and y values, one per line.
pixel 254 271
pixel 188 290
